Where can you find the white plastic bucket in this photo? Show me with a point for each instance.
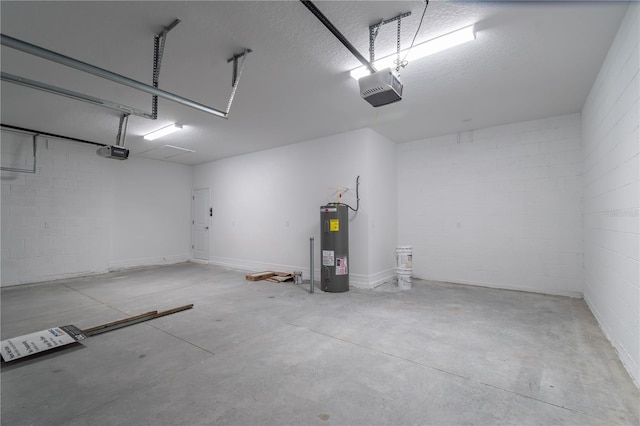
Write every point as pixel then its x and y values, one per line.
pixel 404 257
pixel 403 276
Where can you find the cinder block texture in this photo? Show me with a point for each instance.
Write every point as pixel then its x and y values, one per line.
pixel 610 124
pixel 499 207
pixel 79 213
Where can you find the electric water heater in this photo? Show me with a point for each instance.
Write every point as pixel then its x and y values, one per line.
pixel 334 248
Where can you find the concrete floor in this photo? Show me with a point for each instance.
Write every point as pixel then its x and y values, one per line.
pixel 253 353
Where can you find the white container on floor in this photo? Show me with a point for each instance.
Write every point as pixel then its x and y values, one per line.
pixel 404 266
pixel 403 276
pixel 404 257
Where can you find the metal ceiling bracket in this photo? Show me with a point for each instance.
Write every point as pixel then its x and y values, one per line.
pixel 236 74
pixel 235 64
pixel 122 130
pixel 158 51
pixel 373 33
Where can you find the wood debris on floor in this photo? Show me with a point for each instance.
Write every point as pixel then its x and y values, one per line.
pixel 274 277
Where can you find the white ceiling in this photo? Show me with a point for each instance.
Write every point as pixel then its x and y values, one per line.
pixel 530 60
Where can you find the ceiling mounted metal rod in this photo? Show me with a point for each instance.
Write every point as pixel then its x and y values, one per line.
pixel 10 78
pixel 53 135
pixel 101 72
pixel 338 35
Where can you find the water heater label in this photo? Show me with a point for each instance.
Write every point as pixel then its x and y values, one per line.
pixel 328 258
pixel 341 266
pixel 334 225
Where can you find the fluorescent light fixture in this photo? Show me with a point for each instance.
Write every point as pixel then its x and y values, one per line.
pixel 421 50
pixel 173 127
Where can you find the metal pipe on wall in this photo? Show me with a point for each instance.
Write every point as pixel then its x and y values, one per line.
pixel 50 55
pixel 311 266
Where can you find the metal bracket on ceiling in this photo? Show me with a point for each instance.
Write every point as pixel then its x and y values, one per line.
pixel 373 33
pixel 236 73
pixel 122 130
pixel 235 64
pixel 159 41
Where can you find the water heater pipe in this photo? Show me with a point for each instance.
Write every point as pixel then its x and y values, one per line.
pixel 311 266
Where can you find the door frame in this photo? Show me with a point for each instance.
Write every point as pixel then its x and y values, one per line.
pixel 193 230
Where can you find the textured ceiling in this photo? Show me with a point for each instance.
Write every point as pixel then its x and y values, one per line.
pixel 530 60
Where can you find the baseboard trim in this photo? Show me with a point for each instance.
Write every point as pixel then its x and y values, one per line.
pixel 355 280
pixel 552 292
pixel 119 265
pixel 625 358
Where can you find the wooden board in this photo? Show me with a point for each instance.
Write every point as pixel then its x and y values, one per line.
pixel 281 277
pixel 258 276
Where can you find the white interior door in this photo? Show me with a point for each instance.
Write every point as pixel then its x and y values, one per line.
pixel 201 220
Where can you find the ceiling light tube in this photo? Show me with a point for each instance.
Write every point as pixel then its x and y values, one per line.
pixel 171 128
pixel 421 50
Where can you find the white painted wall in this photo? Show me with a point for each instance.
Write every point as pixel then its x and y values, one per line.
pixel 610 126
pixel 382 207
pixel 498 207
pixel 81 214
pixel 266 204
pixel 152 213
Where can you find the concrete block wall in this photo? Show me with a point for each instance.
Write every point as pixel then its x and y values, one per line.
pixel 266 205
pixel 53 221
pixel 498 207
pixel 67 218
pixel 611 168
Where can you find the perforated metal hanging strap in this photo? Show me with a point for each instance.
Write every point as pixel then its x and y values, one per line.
pixel 122 130
pixel 398 62
pixel 158 50
pixel 237 72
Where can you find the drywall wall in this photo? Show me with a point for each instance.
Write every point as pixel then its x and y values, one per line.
pixel 266 204
pixel 82 214
pixel 610 126
pixel 498 207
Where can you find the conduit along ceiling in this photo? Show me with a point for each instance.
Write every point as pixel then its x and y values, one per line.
pixel 529 60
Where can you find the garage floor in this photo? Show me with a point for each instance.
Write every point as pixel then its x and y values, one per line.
pixel 253 353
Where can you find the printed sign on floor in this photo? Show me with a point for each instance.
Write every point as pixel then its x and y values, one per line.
pixel 40 341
